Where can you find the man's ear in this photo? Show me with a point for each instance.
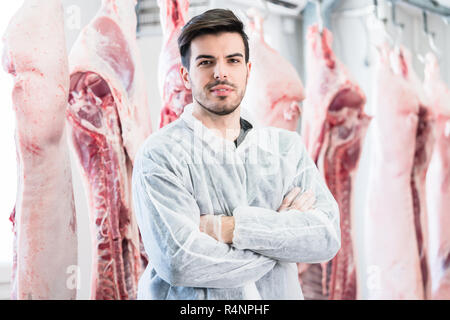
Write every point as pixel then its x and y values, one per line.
pixel 185 76
pixel 249 68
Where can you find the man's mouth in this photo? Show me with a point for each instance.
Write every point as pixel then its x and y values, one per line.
pixel 221 90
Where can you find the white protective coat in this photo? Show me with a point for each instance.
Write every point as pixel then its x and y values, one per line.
pixel 185 170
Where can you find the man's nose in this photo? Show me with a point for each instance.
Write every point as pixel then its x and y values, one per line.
pixel 220 71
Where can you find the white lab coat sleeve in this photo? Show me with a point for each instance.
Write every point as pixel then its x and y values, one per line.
pixel 168 218
pixel 311 236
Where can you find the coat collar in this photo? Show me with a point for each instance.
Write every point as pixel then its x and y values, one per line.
pixel 209 136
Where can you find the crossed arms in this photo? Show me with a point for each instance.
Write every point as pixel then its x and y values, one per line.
pixel 183 247
pixel 221 227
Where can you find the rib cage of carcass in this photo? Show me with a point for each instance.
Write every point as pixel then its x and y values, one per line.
pixel 334 126
pixel 175 96
pixel 109 119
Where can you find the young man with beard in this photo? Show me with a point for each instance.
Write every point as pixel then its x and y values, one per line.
pixel 226 210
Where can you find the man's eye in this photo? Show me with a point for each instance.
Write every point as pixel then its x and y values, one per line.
pixel 205 62
pixel 234 60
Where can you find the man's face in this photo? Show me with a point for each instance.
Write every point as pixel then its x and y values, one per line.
pixel 218 72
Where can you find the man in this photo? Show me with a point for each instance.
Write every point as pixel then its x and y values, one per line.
pixel 226 210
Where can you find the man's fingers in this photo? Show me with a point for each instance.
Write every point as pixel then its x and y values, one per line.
pixel 287 201
pixel 211 224
pixel 308 205
pixel 289 198
pixel 300 200
pixel 303 197
pixel 305 201
pixel 292 195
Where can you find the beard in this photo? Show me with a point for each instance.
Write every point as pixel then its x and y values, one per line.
pixel 220 105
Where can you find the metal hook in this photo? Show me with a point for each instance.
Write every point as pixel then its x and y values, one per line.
pixel 430 35
pixel 266 9
pixel 399 26
pixel 264 16
pixel 425 24
pixel 394 19
pixel 375 8
pixel 377 15
pixel 319 15
pixel 384 23
pixel 318 4
pixel 255 17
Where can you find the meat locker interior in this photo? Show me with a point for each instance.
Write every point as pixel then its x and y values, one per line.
pixel 360 89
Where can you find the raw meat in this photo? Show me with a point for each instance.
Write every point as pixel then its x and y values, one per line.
pixel 395 231
pixel 274 89
pixel 175 96
pixel 334 126
pixel 44 220
pixel 438 184
pixel 109 119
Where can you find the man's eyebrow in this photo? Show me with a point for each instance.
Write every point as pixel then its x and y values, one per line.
pixel 204 56
pixel 234 55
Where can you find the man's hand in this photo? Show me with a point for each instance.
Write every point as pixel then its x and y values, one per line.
pixel 220 228
pixel 297 200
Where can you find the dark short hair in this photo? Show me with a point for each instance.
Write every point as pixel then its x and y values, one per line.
pixel 213 21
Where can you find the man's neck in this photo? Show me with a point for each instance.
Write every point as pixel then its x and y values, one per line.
pixel 226 126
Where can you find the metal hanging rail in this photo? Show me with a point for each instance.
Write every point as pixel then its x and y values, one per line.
pixel 147 12
pixel 430 6
pixel 421 5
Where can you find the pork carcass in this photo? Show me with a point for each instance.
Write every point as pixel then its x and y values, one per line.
pixel 175 96
pixel 44 220
pixel 395 230
pixel 334 126
pixel 438 184
pixel 275 90
pixel 109 119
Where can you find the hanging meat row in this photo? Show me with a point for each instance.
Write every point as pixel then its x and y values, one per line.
pixel 407 246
